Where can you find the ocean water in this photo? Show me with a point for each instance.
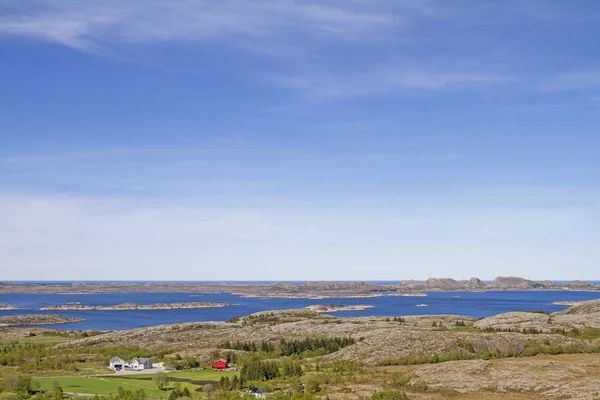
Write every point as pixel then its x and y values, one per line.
pixel 472 304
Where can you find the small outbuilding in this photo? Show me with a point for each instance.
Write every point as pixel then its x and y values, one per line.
pixel 220 365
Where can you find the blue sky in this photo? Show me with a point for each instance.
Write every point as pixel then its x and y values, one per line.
pixel 288 139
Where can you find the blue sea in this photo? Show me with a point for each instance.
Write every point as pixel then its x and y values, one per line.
pixel 472 304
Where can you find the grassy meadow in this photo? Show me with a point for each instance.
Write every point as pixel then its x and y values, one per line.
pixel 194 380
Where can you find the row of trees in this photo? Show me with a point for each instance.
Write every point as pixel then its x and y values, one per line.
pixel 254 369
pixel 293 347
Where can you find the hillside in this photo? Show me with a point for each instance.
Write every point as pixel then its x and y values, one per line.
pixel 509 356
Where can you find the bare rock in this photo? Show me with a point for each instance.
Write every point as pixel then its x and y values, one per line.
pixel 511 282
pixel 584 307
pixel 515 320
pixel 442 284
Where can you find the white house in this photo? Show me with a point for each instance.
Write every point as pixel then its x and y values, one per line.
pixel 118 363
pixel 139 363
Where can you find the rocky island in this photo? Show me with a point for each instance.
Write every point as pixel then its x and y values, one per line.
pixel 316 290
pixel 322 308
pixel 36 319
pixel 132 306
pixel 6 307
pixel 311 296
pixel 408 294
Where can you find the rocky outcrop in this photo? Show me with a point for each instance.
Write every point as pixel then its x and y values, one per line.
pixel 322 308
pixel 444 284
pixel 512 282
pixel 309 289
pixel 473 284
pixel 515 321
pixel 578 285
pixel 132 306
pixel 581 315
pixel 6 307
pixel 412 285
pixel 36 319
pixel 548 377
pixel 408 294
pixel 582 308
pixel 311 296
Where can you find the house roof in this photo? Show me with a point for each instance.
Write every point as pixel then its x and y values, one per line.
pixel 141 360
pixel 116 359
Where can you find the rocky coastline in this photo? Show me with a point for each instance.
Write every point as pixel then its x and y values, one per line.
pixel 310 296
pixel 132 306
pixel 321 308
pixel 36 319
pixel 408 294
pixel 316 290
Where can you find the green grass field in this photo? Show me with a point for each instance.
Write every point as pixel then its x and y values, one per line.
pixel 202 374
pixel 192 379
pixel 100 385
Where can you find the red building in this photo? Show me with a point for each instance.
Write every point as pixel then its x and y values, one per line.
pixel 219 365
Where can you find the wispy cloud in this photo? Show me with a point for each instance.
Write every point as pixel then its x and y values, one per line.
pixel 87 24
pixel 387 81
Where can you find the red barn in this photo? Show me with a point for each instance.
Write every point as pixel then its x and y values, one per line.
pixel 219 365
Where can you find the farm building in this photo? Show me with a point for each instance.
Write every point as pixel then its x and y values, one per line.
pixel 219 365
pixel 117 363
pixel 140 363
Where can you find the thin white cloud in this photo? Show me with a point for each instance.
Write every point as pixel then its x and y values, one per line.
pixel 388 81
pixel 88 23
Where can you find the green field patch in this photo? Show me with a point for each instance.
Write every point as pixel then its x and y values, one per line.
pixel 202 374
pixel 194 380
pixel 100 385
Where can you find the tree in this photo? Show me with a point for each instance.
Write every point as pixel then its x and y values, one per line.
pixel 57 394
pixel 312 386
pixel 208 388
pixel 35 385
pixel 17 383
pixel 161 379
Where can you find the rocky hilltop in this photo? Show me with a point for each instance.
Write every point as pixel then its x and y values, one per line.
pixel 36 319
pixel 322 289
pixel 582 315
pixel 582 308
pixel 132 306
pixel 321 308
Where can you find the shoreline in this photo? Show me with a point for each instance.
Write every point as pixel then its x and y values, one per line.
pixel 314 290
pixel 35 320
pixel 133 307
pixel 320 308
